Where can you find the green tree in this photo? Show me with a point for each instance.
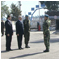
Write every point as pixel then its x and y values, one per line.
pixel 4 9
pixel 15 11
pixel 51 5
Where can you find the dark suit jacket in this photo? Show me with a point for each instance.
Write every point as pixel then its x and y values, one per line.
pixel 19 28
pixel 8 27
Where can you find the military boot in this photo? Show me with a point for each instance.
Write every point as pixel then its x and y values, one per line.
pixel 46 51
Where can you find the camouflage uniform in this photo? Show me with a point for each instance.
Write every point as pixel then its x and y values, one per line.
pixel 46 33
pixel 26 30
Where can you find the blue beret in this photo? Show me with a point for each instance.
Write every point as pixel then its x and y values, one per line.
pixel 46 15
pixel 26 15
pixel 1 18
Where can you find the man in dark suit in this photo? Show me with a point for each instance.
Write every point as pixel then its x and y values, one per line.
pixel 2 27
pixel 19 32
pixel 8 33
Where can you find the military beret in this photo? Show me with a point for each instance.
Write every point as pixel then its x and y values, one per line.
pixel 46 15
pixel 1 18
pixel 26 15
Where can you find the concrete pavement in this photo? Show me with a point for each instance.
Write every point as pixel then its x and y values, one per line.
pixel 36 47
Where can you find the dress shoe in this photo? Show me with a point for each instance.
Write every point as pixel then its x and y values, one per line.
pixel 7 50
pixel 21 48
pixel 11 50
pixel 27 47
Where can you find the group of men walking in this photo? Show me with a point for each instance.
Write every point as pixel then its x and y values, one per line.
pixel 26 31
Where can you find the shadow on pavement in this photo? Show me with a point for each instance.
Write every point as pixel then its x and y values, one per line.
pixel 7 51
pixel 26 55
pixel 51 41
pixel 4 51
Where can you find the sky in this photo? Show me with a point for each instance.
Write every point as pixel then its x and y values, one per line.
pixel 26 7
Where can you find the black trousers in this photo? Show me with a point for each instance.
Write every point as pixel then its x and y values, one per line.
pixel 2 31
pixel 19 39
pixel 8 42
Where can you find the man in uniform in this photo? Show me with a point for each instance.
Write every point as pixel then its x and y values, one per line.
pixel 8 33
pixel 26 23
pixel 2 27
pixel 46 32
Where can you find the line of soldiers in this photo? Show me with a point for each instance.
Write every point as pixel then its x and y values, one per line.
pixel 26 31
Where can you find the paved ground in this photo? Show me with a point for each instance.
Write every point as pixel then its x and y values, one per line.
pixel 36 50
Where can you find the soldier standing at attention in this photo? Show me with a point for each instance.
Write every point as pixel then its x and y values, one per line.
pixel 26 23
pixel 46 32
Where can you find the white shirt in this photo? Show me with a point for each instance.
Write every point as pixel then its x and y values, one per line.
pixel 21 21
pixel 10 21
